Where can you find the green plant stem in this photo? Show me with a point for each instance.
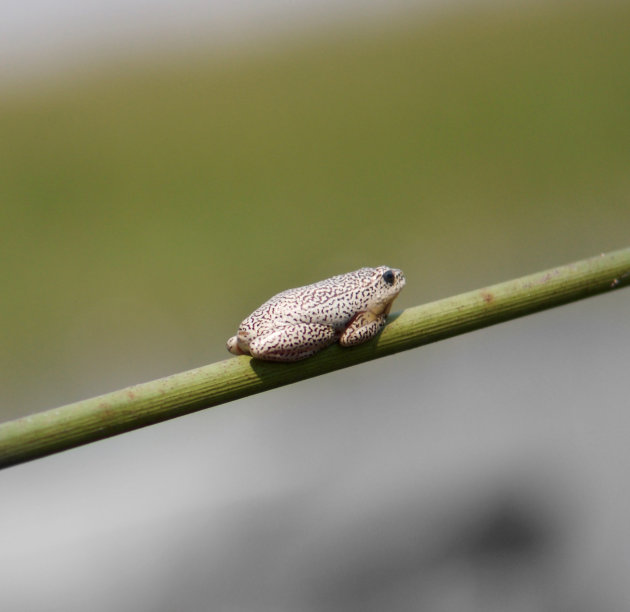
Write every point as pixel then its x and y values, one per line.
pixel 113 413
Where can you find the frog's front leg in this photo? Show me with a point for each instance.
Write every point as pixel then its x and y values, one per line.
pixel 293 342
pixel 363 327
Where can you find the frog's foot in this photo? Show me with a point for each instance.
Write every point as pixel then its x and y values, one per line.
pixel 363 327
pixel 293 342
pixel 233 347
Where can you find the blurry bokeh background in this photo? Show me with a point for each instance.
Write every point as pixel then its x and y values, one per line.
pixel 166 167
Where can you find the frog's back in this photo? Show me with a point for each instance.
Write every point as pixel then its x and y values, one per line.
pixel 333 301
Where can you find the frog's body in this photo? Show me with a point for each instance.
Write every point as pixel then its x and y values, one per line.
pixel 295 324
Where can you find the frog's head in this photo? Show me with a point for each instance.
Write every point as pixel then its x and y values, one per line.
pixel 386 284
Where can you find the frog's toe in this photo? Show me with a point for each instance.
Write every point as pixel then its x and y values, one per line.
pixel 233 347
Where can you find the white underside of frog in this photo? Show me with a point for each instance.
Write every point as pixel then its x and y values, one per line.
pixel 350 308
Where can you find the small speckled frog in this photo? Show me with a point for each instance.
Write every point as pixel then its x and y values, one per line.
pixel 296 323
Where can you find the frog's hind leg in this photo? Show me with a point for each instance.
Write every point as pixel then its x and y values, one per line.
pixel 293 342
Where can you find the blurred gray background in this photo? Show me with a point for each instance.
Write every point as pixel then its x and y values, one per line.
pixel 166 167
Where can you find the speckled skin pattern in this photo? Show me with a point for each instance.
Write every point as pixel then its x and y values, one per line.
pixel 349 308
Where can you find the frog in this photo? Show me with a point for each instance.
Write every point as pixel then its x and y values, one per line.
pixel 348 308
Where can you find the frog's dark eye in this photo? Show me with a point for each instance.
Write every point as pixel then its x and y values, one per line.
pixel 389 277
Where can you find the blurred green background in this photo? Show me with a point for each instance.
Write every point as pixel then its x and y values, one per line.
pixel 150 205
pixel 150 202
